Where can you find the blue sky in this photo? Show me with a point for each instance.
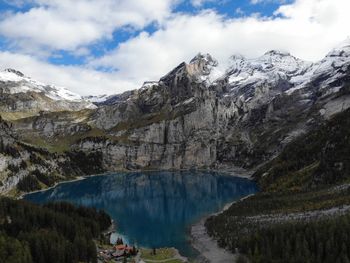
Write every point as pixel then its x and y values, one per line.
pixel 230 9
pixel 109 46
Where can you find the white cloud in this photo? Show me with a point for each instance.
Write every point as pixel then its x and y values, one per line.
pixel 306 28
pixel 239 11
pixel 199 3
pixel 16 3
pixel 81 80
pixel 255 2
pixel 67 25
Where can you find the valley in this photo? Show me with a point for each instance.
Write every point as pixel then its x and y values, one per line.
pixel 284 120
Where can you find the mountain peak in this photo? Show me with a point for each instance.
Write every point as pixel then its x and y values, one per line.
pixel 342 50
pixel 237 57
pixel 201 65
pixel 23 84
pixel 279 53
pixel 345 43
pixel 206 58
pixel 18 73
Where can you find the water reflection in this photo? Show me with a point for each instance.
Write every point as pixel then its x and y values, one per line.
pixel 153 209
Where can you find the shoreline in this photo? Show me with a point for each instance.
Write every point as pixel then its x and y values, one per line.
pixel 79 178
pixel 207 247
pixel 233 171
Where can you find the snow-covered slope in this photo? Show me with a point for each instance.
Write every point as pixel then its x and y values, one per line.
pixel 22 96
pixel 19 83
pixel 104 100
pixel 337 61
pixel 272 67
pixel 190 118
pixel 204 68
pixel 96 99
pixel 252 83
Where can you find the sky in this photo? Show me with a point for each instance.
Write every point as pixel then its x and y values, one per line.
pixel 96 47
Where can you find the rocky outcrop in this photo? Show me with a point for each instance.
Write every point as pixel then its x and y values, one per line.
pixel 194 118
pixel 243 118
pixel 187 141
pixel 25 168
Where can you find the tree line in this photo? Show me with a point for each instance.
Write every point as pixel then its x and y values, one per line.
pixel 324 240
pixel 55 232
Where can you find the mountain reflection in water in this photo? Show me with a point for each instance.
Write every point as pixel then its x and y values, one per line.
pixel 153 209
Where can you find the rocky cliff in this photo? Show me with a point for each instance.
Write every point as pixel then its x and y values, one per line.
pixel 26 168
pixel 195 117
pixel 189 119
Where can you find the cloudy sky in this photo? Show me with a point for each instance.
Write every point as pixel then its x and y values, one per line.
pixel 109 46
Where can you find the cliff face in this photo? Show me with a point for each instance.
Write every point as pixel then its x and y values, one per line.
pixel 197 117
pixel 185 141
pixel 26 168
pixel 241 119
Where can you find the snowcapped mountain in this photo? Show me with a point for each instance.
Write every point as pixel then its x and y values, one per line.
pixel 279 70
pixel 96 99
pixel 333 66
pixel 104 100
pixel 22 96
pixel 14 81
pixel 244 116
pixel 204 68
pixel 259 80
pixel 276 67
pixel 193 117
pixel 271 64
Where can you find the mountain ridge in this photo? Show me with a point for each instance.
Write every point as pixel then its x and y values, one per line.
pixel 193 118
pixel 23 96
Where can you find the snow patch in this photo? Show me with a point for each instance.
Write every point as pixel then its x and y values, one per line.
pixel 19 83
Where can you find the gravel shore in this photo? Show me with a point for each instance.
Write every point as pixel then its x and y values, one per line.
pixel 208 247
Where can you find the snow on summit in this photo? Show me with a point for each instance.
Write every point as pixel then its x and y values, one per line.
pixel 19 83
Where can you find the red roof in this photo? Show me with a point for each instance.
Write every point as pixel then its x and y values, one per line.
pixel 123 248
pixel 120 247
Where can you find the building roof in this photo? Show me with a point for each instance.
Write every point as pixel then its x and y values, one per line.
pixel 120 247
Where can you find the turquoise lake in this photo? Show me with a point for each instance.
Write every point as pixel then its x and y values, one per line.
pixel 153 209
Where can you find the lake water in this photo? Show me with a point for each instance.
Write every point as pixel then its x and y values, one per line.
pixel 153 209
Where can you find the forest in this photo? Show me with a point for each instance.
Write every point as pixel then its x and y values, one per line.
pixel 311 174
pixel 319 239
pixel 54 232
pixel 299 242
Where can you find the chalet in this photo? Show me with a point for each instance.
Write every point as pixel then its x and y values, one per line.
pixel 121 247
pixel 125 250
